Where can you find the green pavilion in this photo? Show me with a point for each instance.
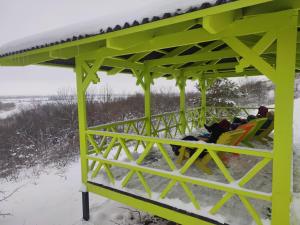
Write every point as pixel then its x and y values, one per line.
pixel 201 41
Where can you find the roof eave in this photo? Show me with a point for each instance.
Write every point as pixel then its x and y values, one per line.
pixel 48 53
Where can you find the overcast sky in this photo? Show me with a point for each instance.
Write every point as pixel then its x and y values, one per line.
pixel 19 19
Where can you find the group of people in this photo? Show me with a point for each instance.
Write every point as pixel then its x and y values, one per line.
pixel 217 129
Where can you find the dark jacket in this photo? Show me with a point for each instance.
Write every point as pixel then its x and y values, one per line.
pixel 175 148
pixel 215 132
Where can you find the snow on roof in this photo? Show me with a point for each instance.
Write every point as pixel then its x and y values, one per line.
pixel 155 10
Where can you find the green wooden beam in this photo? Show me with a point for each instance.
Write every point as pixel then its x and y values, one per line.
pixel 27 60
pixel 177 51
pixel 147 98
pixel 193 58
pixel 222 74
pixel 125 64
pixel 283 124
pixel 207 48
pixel 195 69
pixel 275 5
pixel 133 59
pixel 71 52
pixel 181 83
pixel 131 40
pixel 154 209
pixel 246 26
pixel 252 72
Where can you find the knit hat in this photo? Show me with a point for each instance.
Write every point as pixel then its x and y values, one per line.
pixel 225 124
pixel 262 111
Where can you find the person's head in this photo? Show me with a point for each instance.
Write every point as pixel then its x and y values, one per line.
pixel 262 111
pixel 225 124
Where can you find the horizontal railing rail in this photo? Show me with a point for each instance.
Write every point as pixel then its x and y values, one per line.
pixel 114 124
pixel 169 124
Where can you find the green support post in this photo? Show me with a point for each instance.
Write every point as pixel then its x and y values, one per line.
pixel 181 82
pixel 203 88
pixel 82 121
pixel 147 94
pixel 283 136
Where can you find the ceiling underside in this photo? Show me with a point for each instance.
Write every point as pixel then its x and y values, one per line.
pixel 192 68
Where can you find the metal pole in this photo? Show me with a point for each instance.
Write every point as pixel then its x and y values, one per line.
pixel 85 206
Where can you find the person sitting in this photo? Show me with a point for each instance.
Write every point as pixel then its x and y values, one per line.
pixel 215 130
pixel 262 113
pixel 270 117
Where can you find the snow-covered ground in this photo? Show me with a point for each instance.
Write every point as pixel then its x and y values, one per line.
pixel 27 102
pixel 53 198
pixel 21 103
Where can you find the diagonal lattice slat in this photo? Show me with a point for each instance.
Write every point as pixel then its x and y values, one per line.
pixel 183 170
pixel 258 167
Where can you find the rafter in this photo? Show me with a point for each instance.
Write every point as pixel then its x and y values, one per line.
pixel 180 27
pixel 195 69
pixel 193 58
pixel 207 48
pixel 252 72
pixel 125 64
pixel 133 59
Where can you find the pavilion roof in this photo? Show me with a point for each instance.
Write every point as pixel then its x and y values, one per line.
pixel 151 34
pixel 156 10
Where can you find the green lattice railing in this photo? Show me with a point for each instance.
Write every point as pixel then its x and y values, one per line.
pixel 108 142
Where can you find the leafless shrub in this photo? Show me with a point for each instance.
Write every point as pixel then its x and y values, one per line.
pixel 48 132
pixel 256 92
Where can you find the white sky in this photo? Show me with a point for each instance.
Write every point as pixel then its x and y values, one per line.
pixel 20 19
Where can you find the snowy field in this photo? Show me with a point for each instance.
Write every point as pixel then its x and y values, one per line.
pixel 27 102
pixel 21 103
pixel 53 197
